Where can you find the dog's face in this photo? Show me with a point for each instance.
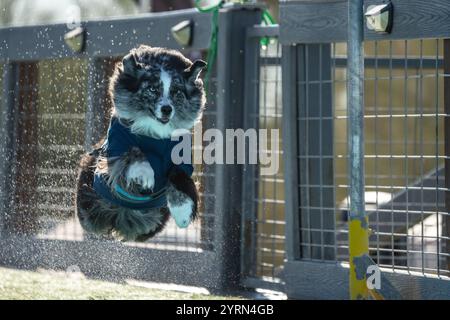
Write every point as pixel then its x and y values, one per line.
pixel 158 91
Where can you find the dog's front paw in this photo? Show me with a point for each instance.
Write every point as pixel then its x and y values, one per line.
pixel 142 174
pixel 182 212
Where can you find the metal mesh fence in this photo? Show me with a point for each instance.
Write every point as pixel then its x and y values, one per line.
pixel 408 227
pixel 268 223
pixel 404 154
pixel 50 139
pixel 60 130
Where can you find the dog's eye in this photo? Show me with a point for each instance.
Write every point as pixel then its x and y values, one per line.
pixel 152 89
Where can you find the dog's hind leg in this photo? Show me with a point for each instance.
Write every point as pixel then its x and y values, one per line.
pixel 182 197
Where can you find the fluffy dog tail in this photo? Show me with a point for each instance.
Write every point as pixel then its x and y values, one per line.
pixel 122 223
pixel 130 224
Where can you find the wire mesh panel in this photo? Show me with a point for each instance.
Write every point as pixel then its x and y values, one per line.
pixel 265 230
pixel 270 199
pixel 315 148
pixel 404 154
pixel 46 141
pixel 60 131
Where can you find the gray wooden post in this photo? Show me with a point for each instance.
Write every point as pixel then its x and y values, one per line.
pixel 290 151
pixel 233 22
pixel 249 174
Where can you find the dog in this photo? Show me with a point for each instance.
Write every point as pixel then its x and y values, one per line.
pixel 128 186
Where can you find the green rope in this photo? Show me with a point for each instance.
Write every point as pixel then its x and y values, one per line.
pixel 267 20
pixel 212 51
pixel 210 6
pixel 214 7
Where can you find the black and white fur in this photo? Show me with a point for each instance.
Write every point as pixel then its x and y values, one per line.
pixel 154 91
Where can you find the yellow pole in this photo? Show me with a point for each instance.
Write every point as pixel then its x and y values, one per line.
pixel 358 221
pixel 376 295
pixel 358 247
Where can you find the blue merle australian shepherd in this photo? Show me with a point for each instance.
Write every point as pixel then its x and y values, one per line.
pixel 129 185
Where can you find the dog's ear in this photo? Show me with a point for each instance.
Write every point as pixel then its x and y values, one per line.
pixel 192 73
pixel 130 64
pixel 130 71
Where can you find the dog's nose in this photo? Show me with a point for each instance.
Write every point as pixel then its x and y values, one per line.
pixel 166 110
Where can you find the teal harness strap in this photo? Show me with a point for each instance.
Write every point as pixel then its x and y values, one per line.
pixel 137 199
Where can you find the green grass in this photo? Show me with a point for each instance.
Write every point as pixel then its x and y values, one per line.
pixel 51 285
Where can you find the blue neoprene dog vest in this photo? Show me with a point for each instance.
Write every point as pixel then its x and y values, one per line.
pixel 120 140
